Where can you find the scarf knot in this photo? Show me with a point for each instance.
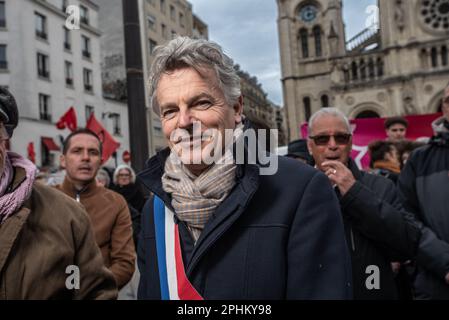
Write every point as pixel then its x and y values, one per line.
pixel 11 202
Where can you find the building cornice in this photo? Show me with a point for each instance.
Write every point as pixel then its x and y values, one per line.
pixel 386 81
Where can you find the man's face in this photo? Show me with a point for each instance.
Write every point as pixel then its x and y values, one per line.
pixel 446 103
pixel 335 149
pixel 396 132
pixel 185 97
pixel 83 158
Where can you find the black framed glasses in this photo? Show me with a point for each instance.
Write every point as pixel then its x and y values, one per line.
pixel 340 138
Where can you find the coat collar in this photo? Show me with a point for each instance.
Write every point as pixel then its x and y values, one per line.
pixel 354 169
pixel 69 188
pixel 226 214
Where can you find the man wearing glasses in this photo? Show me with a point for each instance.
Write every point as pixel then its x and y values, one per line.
pixel 378 230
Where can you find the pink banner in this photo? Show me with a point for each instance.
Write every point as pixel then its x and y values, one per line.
pixel 367 130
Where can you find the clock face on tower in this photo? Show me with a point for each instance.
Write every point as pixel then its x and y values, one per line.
pixel 308 13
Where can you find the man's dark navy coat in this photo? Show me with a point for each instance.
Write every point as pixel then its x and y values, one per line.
pixel 273 237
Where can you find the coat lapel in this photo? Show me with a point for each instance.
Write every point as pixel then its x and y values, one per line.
pixel 9 232
pixel 226 214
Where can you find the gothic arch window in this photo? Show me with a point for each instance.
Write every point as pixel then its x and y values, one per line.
pixel 380 67
pixel 435 14
pixel 355 71
pixel 434 57
pixel 317 38
pixel 444 55
pixel 424 58
pixel 307 108
pixel 304 39
pixel 371 71
pixel 362 70
pixel 324 101
pixel 367 114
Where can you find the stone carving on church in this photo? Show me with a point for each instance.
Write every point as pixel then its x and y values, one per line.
pixel 408 98
pixel 399 16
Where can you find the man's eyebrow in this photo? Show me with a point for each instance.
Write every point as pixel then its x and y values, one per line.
pixel 189 101
pixel 198 97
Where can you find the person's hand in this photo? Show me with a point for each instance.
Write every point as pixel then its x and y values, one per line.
pixel 447 278
pixel 339 174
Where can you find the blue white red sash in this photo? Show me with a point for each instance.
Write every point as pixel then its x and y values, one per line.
pixel 173 280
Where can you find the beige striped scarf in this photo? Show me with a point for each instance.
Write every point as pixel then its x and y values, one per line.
pixel 196 198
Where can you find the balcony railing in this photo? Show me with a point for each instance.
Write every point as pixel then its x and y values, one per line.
pixel 86 54
pixel 69 81
pixel 3 64
pixel 88 87
pixel 2 23
pixel 84 20
pixel 362 68
pixel 67 46
pixel 45 117
pixel 44 74
pixel 41 34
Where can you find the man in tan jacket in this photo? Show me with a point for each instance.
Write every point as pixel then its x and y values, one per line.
pixel 108 211
pixel 47 247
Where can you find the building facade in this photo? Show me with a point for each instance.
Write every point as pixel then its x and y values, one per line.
pixel 263 113
pixel 397 67
pixel 49 69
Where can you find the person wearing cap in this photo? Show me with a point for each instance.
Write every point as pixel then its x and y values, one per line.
pixel 298 150
pixel 48 249
pixel 396 128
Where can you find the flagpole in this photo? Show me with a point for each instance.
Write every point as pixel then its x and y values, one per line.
pixel 137 113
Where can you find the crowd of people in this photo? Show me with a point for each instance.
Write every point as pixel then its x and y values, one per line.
pixel 318 228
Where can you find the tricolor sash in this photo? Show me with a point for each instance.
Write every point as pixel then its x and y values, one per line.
pixel 172 277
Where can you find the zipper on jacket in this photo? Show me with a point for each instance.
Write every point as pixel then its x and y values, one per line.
pixel 352 239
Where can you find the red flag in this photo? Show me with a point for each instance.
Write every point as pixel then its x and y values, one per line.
pixel 68 120
pixel 31 153
pixel 109 144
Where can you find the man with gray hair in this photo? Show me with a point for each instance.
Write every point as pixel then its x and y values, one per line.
pixel 378 230
pixel 223 230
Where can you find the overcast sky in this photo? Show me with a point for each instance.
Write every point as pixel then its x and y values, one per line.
pixel 247 30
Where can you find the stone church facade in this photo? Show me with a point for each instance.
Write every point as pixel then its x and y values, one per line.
pixel 399 66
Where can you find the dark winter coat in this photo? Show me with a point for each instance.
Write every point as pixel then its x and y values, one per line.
pixel 378 232
pixel 273 237
pixel 424 189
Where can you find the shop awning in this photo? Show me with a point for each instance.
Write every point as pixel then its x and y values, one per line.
pixel 50 144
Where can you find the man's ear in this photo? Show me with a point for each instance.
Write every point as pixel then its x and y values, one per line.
pixel 309 146
pixel 238 110
pixel 62 161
